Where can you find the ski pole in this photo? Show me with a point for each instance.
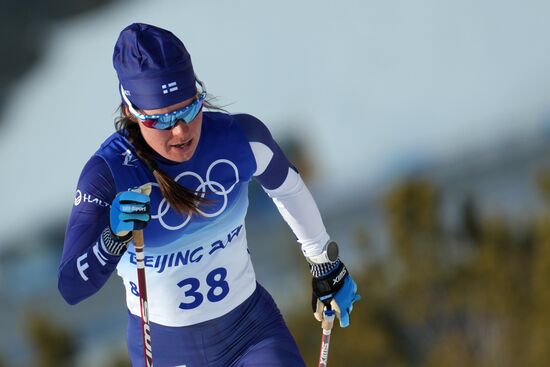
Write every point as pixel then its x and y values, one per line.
pixel 145 327
pixel 326 324
pixel 142 288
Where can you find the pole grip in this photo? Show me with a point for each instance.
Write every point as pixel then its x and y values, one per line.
pixel 137 236
pixel 328 319
pixel 326 324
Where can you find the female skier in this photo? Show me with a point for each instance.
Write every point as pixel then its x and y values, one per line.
pixel 205 306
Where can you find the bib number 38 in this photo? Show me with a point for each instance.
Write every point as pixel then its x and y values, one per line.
pixel 218 289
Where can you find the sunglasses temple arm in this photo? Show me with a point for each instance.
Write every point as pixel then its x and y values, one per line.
pixel 128 103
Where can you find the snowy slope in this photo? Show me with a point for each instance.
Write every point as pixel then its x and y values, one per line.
pixel 368 85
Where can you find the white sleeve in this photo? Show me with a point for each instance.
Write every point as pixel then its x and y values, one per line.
pixel 299 210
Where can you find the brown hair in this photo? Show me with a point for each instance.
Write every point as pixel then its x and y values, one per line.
pixel 180 198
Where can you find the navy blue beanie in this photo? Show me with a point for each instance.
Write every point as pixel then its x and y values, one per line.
pixel 153 67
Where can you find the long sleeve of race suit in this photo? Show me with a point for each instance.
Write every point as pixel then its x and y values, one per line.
pixel 86 264
pixel 282 182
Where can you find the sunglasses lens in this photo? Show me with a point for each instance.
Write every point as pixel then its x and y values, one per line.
pixel 149 123
pixel 168 121
pixel 191 113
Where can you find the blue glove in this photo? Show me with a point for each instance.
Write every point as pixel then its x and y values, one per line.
pixel 343 301
pixel 129 211
pixel 336 289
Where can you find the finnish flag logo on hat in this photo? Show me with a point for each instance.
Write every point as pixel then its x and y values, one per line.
pixel 170 87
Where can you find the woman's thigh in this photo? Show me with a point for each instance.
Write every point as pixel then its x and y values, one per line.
pixel 276 351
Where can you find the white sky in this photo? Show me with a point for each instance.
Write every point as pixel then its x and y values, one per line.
pixel 370 85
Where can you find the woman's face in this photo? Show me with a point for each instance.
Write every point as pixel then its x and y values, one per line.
pixel 179 143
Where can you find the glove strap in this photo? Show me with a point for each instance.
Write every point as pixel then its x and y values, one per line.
pixel 320 270
pixel 331 283
pixel 114 244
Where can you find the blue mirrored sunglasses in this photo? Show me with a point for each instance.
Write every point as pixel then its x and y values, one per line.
pixel 167 121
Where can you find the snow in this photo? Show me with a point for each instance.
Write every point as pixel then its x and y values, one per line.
pixel 368 85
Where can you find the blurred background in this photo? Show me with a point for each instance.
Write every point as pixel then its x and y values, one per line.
pixel 422 129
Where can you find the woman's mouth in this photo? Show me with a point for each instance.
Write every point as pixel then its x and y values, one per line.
pixel 184 145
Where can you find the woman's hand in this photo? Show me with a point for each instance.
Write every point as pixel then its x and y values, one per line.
pixel 129 211
pixel 336 289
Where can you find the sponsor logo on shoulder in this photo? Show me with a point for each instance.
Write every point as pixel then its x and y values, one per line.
pixel 78 197
pixel 87 198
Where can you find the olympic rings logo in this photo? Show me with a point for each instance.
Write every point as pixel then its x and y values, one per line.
pixel 214 186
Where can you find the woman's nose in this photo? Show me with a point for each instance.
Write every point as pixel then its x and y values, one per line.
pixel 180 129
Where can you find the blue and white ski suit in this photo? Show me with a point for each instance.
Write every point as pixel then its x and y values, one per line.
pixel 205 305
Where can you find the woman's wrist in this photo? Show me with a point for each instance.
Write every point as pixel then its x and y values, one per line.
pixel 113 244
